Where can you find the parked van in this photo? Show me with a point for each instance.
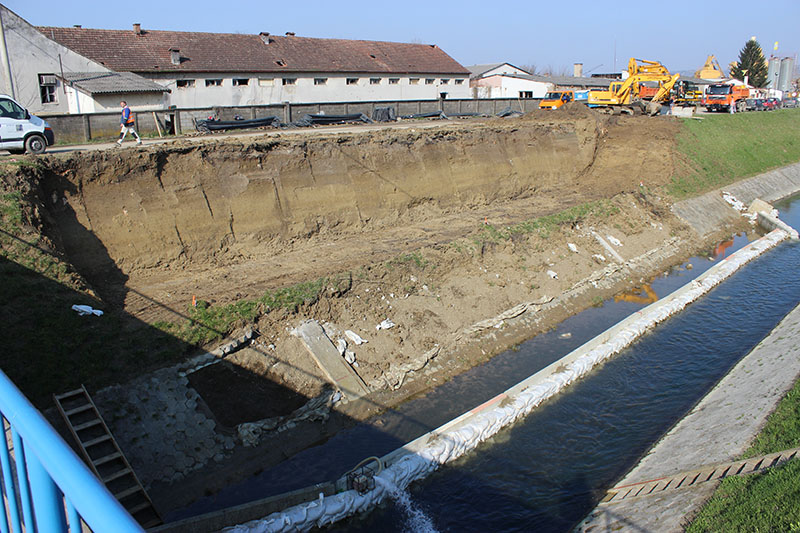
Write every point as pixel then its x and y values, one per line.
pixel 20 131
pixel 555 99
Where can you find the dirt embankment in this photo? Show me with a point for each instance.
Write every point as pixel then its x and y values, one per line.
pixel 436 230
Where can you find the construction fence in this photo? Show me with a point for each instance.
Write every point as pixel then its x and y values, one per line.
pixel 85 127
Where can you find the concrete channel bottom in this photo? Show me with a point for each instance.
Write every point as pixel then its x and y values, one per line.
pixel 716 431
pixel 417 459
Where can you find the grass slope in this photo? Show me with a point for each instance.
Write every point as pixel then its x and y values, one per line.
pixel 761 502
pixel 721 149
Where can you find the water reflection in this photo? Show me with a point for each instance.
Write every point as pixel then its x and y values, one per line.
pixel 641 295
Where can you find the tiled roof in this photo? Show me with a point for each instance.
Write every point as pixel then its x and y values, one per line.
pixel 111 83
pixel 149 51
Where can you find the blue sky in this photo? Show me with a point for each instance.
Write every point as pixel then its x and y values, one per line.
pixel 552 34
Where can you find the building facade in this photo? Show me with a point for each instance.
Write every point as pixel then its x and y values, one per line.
pixel 222 69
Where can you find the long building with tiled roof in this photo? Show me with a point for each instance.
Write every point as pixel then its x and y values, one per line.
pixel 241 69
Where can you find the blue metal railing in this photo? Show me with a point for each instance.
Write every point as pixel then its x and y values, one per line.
pixel 48 488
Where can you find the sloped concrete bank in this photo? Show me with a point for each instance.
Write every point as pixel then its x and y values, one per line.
pixel 708 212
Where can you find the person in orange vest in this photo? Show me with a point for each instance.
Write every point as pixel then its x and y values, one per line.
pixel 127 123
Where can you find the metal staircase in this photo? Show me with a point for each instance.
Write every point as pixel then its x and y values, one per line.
pixel 104 455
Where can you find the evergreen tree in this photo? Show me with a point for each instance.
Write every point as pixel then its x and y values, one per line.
pixel 751 64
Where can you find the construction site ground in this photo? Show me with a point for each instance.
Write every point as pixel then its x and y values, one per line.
pixel 434 227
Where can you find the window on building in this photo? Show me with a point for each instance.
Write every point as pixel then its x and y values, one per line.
pixel 459 82
pixel 320 81
pixel 47 88
pixel 394 81
pixel 183 84
pixel 240 82
pixel 289 81
pixel 266 82
pixel 526 94
pixel 214 83
pixel 429 81
pixel 445 81
pixel 352 81
pixel 413 81
pixel 374 81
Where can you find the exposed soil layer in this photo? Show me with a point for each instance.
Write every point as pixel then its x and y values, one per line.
pixel 436 230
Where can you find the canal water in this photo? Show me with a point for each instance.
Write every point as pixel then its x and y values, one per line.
pixel 547 472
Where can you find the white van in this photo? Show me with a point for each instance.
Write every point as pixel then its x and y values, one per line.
pixel 20 131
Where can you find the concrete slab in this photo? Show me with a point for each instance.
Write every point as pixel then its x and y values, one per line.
pixel 332 364
pixel 718 429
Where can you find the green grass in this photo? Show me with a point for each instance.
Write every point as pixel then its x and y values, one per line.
pixel 723 148
pixel 544 226
pixel 207 323
pixel 759 502
pixel 769 501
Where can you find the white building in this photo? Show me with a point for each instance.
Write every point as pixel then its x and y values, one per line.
pixel 504 80
pixel 224 69
pixel 35 67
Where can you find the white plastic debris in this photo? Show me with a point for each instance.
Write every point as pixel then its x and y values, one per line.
pixel 386 324
pixel 350 357
pixel 84 310
pixel 600 258
pixel 552 274
pixel 613 240
pixel 341 345
pixel 353 336
pixel 565 336
pixel 572 247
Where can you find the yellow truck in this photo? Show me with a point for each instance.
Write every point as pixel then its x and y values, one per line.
pixel 555 99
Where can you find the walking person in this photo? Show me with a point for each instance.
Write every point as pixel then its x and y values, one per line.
pixel 127 123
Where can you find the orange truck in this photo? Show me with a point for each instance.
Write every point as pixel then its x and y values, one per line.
pixel 720 97
pixel 555 99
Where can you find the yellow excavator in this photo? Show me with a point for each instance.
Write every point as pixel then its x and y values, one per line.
pixel 710 70
pixel 624 96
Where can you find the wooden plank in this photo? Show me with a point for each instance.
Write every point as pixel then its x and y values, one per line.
pixel 330 362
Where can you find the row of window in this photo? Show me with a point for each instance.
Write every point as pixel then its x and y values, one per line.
pixel 267 82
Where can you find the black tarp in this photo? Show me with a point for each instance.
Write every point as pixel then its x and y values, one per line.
pixel 319 120
pixel 432 114
pixel 207 125
pixel 508 112
pixel 384 114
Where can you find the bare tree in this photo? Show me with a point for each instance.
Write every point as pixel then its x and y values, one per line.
pixel 529 68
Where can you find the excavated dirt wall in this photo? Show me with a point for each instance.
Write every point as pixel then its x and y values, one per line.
pixel 192 204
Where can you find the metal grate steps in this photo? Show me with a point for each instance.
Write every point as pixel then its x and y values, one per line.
pixel 104 455
pixel 701 475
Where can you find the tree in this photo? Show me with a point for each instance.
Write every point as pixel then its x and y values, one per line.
pixel 751 64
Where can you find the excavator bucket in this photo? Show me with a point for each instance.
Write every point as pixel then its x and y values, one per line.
pixel 653 108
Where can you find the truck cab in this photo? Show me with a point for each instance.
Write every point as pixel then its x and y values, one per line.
pixel 720 97
pixel 20 131
pixel 555 99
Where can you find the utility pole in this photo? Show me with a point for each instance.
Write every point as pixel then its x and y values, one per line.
pixel 4 56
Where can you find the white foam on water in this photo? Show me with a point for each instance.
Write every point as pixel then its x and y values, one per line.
pixel 416 519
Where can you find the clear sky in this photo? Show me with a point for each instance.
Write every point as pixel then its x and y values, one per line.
pixel 552 34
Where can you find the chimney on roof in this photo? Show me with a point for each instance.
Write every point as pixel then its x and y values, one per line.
pixel 290 33
pixel 577 70
pixel 175 56
pixel 137 28
pixel 266 38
